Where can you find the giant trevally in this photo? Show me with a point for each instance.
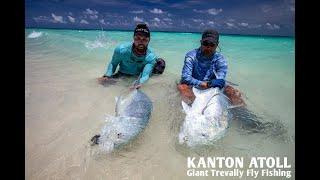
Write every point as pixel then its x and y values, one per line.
pixel 133 112
pixel 207 119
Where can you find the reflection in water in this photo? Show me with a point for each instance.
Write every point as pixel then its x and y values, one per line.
pixel 249 121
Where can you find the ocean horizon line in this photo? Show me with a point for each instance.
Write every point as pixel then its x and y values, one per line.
pixel 123 30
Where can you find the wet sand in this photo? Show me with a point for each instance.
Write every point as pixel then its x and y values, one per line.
pixel 65 107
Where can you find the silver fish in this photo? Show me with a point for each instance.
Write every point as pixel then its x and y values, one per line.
pixel 132 115
pixel 207 119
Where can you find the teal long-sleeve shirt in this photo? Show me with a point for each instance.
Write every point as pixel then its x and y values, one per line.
pixel 131 64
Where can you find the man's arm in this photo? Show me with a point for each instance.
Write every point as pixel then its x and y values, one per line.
pixel 220 73
pixel 144 76
pixel 221 68
pixel 187 73
pixel 147 70
pixel 111 68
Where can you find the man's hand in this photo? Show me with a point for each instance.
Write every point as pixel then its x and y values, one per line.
pixel 186 93
pixel 103 79
pixel 135 86
pixel 204 85
pixel 217 83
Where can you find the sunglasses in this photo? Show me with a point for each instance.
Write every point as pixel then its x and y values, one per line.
pixel 206 43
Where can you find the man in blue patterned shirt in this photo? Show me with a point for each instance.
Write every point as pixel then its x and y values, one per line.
pixel 204 67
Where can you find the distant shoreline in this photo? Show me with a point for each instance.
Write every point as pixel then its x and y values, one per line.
pixel 228 34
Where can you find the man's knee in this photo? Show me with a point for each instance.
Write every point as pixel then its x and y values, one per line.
pixel 182 87
pixel 234 95
pixel 159 66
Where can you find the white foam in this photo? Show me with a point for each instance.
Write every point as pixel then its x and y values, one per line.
pixel 35 34
pixel 96 44
pixel 101 41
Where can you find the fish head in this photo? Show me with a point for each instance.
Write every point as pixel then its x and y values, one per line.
pixel 199 129
pixel 193 129
pixel 119 130
pixel 114 133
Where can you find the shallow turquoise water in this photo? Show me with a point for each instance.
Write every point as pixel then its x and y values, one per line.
pixel 61 67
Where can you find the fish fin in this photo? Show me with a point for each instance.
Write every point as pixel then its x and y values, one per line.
pixel 231 83
pixel 235 106
pixel 185 107
pixel 117 98
pixel 95 140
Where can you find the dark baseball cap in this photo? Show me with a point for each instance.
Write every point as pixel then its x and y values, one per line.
pixel 210 35
pixel 142 29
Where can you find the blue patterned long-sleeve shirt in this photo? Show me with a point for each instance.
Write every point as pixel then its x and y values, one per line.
pixel 198 68
pixel 131 64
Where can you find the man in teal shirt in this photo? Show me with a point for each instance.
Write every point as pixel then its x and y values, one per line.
pixel 134 59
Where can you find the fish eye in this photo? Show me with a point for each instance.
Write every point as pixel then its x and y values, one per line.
pixel 119 134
